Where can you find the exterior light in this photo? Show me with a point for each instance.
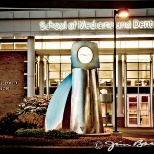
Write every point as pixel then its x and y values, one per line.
pixel 120 13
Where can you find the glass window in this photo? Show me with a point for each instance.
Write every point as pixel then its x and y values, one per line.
pixel 144 74
pixel 132 66
pixel 131 82
pixel 53 82
pixel 64 74
pixel 132 58
pixel 38 45
pixel 25 92
pixel 145 82
pixel 144 99
pixel 138 58
pixel 65 67
pixel 144 90
pixel 21 45
pixel 7 46
pixel 106 44
pixel 105 74
pixel 105 82
pixel 145 44
pixel 25 56
pixel 106 66
pixel 66 45
pixel 144 66
pixel 138 73
pixel 130 44
pixel 132 74
pixel 138 82
pixel 59 68
pixel 65 59
pixel 132 90
pixel 144 58
pixel 25 67
pixel 54 67
pixel 54 75
pixel 54 59
pixel 105 58
pixel 52 45
pixel 7 37
pixel 25 80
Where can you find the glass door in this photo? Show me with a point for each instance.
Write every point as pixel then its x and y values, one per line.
pixel 132 111
pixel 138 93
pixel 144 110
pixel 138 110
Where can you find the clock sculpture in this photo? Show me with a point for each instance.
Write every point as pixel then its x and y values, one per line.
pixel 85 55
pixel 75 104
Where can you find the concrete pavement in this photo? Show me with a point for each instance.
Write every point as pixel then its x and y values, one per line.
pixel 137 132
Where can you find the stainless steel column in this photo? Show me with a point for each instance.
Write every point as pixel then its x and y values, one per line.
pixel 79 82
pixel 89 107
pixel 98 122
pixel 87 113
pixel 31 67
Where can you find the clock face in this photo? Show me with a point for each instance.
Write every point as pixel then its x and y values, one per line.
pixel 85 55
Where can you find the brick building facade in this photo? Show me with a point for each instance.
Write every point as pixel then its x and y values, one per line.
pixel 11 81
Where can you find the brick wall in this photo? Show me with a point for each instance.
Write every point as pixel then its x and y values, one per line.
pixel 11 81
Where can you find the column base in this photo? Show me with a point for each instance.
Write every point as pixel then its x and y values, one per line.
pixel 117 134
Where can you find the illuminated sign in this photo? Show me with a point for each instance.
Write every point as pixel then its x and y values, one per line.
pixel 95 25
pixel 149 24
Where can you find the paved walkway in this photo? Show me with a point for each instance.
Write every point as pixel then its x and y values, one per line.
pixel 137 132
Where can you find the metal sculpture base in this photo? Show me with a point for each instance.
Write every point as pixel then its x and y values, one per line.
pixel 95 135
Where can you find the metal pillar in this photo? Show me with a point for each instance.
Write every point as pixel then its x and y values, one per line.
pixel 119 107
pixel 47 77
pixel 98 122
pixel 114 76
pixel 125 89
pixel 86 115
pixel 78 99
pixel 31 67
pixel 151 92
pixel 41 76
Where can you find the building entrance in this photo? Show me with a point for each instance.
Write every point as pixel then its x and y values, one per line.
pixel 138 110
pixel 139 91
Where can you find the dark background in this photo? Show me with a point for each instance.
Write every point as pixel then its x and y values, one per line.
pixel 108 4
